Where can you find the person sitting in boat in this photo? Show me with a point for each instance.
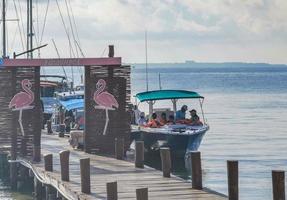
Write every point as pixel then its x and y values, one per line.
pixel 170 120
pixel 163 119
pixel 180 114
pixel 153 122
pixel 141 121
pixel 194 118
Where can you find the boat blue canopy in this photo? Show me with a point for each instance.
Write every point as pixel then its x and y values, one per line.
pixel 73 104
pixel 167 94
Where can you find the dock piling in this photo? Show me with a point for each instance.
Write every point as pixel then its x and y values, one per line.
pixel 85 175
pixel 112 191
pixel 37 189
pixel 278 183
pixel 196 171
pixel 139 156
pixel 165 161
pixel 232 173
pixel 62 128
pixel 142 193
pixel 49 127
pixel 119 148
pixel 64 160
pixel 48 162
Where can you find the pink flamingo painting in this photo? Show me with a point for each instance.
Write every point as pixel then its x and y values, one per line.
pixel 104 100
pixel 22 101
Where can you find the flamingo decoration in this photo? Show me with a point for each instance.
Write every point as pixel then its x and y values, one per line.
pixel 22 101
pixel 104 100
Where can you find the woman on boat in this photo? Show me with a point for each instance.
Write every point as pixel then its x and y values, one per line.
pixel 194 118
pixel 153 122
pixel 163 119
pixel 170 120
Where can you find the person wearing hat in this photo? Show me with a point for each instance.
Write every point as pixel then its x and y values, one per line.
pixel 194 118
pixel 180 114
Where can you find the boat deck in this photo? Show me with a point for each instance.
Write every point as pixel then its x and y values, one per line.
pixel 106 169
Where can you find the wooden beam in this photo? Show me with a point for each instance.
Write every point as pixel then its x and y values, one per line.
pixel 113 61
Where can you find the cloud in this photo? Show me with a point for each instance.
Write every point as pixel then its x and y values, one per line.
pixel 186 26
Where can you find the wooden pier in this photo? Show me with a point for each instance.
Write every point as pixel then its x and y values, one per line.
pixel 105 170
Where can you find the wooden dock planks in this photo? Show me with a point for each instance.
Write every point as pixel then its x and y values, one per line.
pixel 105 169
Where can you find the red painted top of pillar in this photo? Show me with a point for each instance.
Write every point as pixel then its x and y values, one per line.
pixel 60 62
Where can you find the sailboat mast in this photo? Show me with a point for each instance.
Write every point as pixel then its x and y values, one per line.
pixel 4 27
pixel 29 28
pixel 146 67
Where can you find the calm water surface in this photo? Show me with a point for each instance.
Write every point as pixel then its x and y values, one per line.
pixel 245 108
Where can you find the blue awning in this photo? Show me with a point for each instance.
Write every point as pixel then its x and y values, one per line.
pixel 73 104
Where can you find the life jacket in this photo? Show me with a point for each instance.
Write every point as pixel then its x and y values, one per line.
pixel 153 123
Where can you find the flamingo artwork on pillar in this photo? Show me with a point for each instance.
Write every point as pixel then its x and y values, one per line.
pixel 22 101
pixel 104 101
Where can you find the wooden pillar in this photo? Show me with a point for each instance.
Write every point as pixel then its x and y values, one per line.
pixel 112 191
pixel 278 183
pixel 48 162
pixel 62 130
pixel 37 189
pixel 119 148
pixel 64 161
pixel 51 192
pixel 38 116
pixel 165 161
pixel 232 174
pixel 49 127
pixel 22 177
pixel 85 175
pixel 14 125
pixel 196 171
pixel 88 108
pixel 142 194
pixel 139 156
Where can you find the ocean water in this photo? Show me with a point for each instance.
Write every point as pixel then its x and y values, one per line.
pixel 245 107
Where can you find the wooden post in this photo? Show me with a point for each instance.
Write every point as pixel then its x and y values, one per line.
pixel 48 162
pixel 111 51
pixel 64 160
pixel 62 130
pixel 85 175
pixel 278 183
pixel 112 191
pixel 49 127
pixel 196 171
pixel 51 192
pixel 13 175
pixel 37 189
pixel 165 161
pixel 119 148
pixel 232 173
pixel 139 157
pixel 142 194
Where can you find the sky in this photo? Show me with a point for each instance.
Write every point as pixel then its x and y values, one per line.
pixel 177 30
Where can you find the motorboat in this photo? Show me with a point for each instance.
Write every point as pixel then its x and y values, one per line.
pixel 180 138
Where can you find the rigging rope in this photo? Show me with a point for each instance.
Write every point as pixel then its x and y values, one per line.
pixel 63 21
pixel 18 24
pixel 72 29
pixel 45 19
